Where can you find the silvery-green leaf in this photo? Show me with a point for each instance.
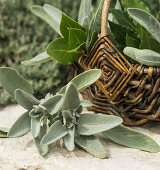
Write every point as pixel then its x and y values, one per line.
pixel 145 19
pixel 71 97
pixel 42 149
pixel 49 14
pixel 53 104
pixel 21 126
pixel 69 139
pixel 25 100
pixel 11 80
pixel 92 145
pixel 90 124
pixel 86 103
pixel 84 80
pixel 39 59
pixel 3 132
pixel 67 116
pixel 129 51
pixel 35 126
pixel 84 11
pixel 131 138
pixel 56 131
pixel 32 113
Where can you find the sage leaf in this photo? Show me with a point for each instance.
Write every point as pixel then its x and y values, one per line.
pixel 56 131
pixel 42 149
pixel 21 126
pixel 86 103
pixel 84 11
pixel 71 97
pixel 67 22
pixel 92 145
pixel 35 126
pixel 53 104
pixel 11 80
pixel 145 19
pixel 123 18
pixel 3 132
pixel 76 37
pixel 67 116
pixel 60 51
pixel 69 139
pixel 39 59
pixel 129 51
pixel 89 124
pixel 94 38
pixel 49 14
pixel 131 138
pixel 25 100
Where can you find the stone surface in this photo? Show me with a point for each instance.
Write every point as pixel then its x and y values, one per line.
pixel 21 154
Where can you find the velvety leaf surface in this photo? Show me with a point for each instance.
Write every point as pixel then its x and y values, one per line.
pixel 56 131
pixel 42 149
pixel 11 81
pixel 60 51
pixel 21 126
pixel 35 126
pixel 86 103
pixel 66 23
pixel 48 14
pixel 145 19
pixel 131 138
pixel 84 11
pixel 25 100
pixel 69 139
pixel 92 145
pixel 90 124
pixel 53 104
pixel 39 59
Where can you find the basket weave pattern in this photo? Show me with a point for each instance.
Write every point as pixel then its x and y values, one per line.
pixel 130 91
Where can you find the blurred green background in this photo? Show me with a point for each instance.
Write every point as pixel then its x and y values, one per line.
pixel 23 36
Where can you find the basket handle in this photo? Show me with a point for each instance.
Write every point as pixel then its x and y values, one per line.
pixel 104 18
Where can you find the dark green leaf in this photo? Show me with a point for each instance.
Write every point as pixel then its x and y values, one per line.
pixel 11 81
pixel 21 126
pixel 84 11
pixel 145 19
pixel 39 59
pixel 92 145
pixel 60 51
pixel 89 124
pixel 25 100
pixel 53 104
pixel 66 23
pixel 35 126
pixel 123 18
pixel 94 38
pixel 131 42
pixel 130 138
pixel 56 131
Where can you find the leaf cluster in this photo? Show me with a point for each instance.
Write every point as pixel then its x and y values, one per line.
pixel 58 116
pixel 139 29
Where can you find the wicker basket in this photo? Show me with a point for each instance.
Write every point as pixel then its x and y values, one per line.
pixel 130 91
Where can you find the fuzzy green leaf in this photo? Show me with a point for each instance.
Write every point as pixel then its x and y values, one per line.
pixel 90 124
pixel 56 131
pixel 84 80
pixel 131 138
pixel 3 132
pixel 42 149
pixel 84 11
pixel 49 14
pixel 11 80
pixel 67 22
pixel 86 103
pixel 60 51
pixel 123 18
pixel 145 19
pixel 25 100
pixel 71 97
pixel 92 145
pixel 69 139
pixel 76 37
pixel 53 104
pixel 35 126
pixel 21 126
pixel 39 59
pixel 67 116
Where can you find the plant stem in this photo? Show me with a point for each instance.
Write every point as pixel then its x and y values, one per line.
pixel 104 20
